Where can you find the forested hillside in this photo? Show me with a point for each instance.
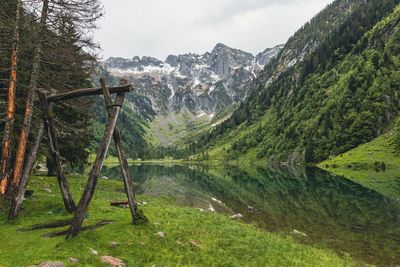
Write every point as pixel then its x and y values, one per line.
pixel 340 94
pixel 66 63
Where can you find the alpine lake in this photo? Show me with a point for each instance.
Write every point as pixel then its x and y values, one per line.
pixel 308 204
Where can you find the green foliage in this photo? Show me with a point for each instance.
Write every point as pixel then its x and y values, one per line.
pixel 342 95
pixel 397 135
pixel 65 66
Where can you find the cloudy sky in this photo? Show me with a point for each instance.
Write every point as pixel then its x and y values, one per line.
pixel 162 27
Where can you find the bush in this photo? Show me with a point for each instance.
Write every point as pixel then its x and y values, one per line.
pixel 379 166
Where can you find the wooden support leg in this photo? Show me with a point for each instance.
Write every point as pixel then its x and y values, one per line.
pixel 55 153
pixel 137 215
pixel 94 174
pixel 19 196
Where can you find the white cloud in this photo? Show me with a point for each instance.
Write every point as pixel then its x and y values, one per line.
pixel 162 27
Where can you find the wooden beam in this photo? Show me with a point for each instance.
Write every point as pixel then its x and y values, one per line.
pixel 137 216
pixel 94 174
pixel 55 224
pixel 55 153
pixel 88 92
pixel 89 227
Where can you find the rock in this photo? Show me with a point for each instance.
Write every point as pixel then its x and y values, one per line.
pixel 41 167
pixel 194 243
pixel 114 244
pixel 160 234
pixel 112 261
pixel 142 203
pixel 104 177
pixel 236 216
pixel 49 264
pixel 48 190
pixel 73 260
pixel 94 252
pixel 216 200
pixel 210 208
pixel 299 233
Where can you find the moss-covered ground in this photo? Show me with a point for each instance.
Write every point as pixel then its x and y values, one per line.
pixel 192 237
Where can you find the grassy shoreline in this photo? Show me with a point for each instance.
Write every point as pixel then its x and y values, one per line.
pixel 375 165
pixel 192 237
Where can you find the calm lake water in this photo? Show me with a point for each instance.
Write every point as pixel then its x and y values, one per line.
pixel 332 211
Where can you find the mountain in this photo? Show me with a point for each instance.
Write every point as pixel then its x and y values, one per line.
pixel 333 86
pixel 203 84
pixel 183 95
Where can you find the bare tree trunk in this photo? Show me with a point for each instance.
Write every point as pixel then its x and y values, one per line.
pixel 8 131
pixel 19 196
pixel 23 138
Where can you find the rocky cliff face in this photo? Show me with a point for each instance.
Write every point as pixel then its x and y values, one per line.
pixel 203 84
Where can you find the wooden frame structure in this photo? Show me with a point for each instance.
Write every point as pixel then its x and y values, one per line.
pixel 111 131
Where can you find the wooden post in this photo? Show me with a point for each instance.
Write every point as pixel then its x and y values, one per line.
pixel 94 174
pixel 55 153
pixel 19 196
pixel 137 215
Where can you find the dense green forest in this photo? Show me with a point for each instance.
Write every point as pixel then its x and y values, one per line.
pixel 343 94
pixel 66 64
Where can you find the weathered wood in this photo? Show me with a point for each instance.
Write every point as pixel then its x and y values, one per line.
pixel 94 174
pixel 55 224
pixel 119 203
pixel 128 183
pixel 88 92
pixel 89 227
pixel 19 196
pixel 55 153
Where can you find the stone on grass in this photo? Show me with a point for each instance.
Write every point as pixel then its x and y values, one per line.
pixel 194 243
pixel 49 264
pixel 297 232
pixel 94 252
pixel 47 190
pixel 114 244
pixel 73 260
pixel 160 234
pixel 112 261
pixel 210 208
pixel 236 216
